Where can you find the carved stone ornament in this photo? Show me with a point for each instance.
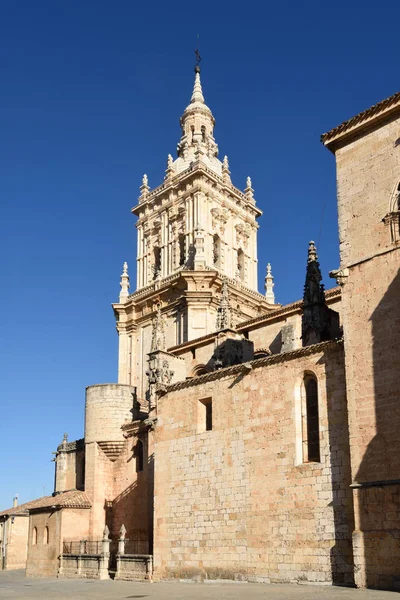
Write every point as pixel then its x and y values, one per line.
pixel 243 231
pixel 340 275
pixel 158 331
pixel 220 218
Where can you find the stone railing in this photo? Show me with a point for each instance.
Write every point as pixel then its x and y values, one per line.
pixel 127 559
pixel 133 561
pixel 86 558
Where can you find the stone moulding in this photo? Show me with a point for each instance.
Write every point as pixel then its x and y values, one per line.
pixel 255 364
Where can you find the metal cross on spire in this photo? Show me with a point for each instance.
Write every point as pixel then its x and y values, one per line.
pixel 198 57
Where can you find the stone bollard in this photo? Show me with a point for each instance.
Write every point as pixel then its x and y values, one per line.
pixel 105 555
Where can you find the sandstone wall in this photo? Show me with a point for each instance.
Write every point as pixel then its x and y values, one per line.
pixel 43 557
pixel 237 501
pixel 17 542
pixel 131 493
pixel 368 171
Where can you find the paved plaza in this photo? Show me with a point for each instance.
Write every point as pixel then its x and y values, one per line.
pixel 14 585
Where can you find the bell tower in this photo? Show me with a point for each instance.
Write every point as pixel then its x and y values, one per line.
pixel 195 231
pixel 197 210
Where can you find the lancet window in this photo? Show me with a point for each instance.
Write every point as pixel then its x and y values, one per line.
pixel 310 420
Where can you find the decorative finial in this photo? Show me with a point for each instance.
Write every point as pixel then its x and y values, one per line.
pixel 269 286
pixel 312 252
pixel 225 170
pixel 65 438
pixel 170 171
pixel 106 533
pixel 124 293
pixel 249 190
pixel 144 188
pixel 122 532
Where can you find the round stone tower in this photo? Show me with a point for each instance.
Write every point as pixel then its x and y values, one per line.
pixel 108 406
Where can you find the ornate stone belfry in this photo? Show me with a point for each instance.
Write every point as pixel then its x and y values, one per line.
pixel 197 189
pixel 194 231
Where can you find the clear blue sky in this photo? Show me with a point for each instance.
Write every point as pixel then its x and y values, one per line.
pixel 91 95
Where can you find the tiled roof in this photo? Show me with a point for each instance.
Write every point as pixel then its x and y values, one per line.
pixel 72 499
pixel 332 293
pixel 378 110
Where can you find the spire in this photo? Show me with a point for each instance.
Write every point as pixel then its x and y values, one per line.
pixel 197 95
pixel 197 123
pixel 124 293
pixel 319 323
pixel 224 313
pixel 313 288
pixel 269 286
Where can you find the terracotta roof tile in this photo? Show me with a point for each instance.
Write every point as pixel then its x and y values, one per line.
pixel 72 499
pixel 363 117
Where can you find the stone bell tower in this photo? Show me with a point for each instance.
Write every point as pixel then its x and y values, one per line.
pixel 195 231
pixel 197 215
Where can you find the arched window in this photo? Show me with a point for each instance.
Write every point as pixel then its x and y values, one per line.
pixel 203 133
pixel 157 261
pixel 216 251
pixel 46 535
pixel 240 264
pixel 182 257
pixel 139 456
pixel 34 536
pixel 310 420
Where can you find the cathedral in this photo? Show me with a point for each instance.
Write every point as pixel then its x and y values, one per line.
pixel 244 440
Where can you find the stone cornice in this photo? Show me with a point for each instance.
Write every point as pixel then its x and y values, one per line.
pixel 251 365
pixel 137 427
pixel 197 168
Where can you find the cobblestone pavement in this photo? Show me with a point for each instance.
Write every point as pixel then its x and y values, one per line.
pixel 14 586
